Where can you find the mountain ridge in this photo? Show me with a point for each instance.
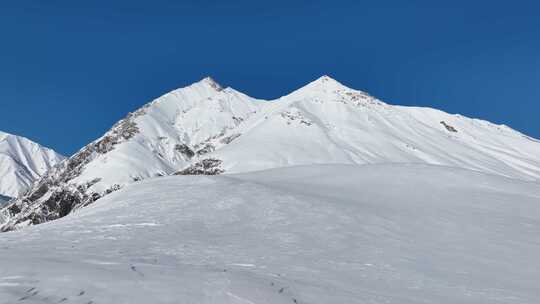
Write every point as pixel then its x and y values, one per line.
pixel 205 128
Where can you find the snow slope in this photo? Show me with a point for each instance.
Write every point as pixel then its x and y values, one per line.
pixel 391 233
pixel 207 129
pixel 22 162
pixel 326 122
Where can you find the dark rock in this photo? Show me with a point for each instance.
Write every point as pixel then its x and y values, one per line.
pixel 207 148
pixel 185 150
pixel 209 166
pixel 52 196
pixel 449 127
pixel 227 140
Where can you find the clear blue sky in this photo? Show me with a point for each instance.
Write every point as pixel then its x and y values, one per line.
pixel 70 69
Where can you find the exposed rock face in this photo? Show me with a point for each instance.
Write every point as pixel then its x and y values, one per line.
pixel 54 196
pixel 209 166
pixel 185 150
pixel 229 139
pixel 449 127
pixel 294 115
pixel 205 149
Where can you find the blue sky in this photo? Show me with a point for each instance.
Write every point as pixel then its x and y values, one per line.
pixel 70 69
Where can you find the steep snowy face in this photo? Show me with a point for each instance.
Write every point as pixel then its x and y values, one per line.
pixel 166 134
pixel 161 138
pixel 21 163
pixel 207 129
pixel 326 122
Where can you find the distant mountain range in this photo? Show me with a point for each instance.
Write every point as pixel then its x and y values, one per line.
pixel 207 129
pixel 21 163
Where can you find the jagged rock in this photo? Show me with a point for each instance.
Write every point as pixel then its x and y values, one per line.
pixel 227 140
pixel 449 127
pixel 52 196
pixel 185 150
pixel 238 120
pixel 58 203
pixel 113 188
pixel 209 166
pixel 207 148
pixel 295 115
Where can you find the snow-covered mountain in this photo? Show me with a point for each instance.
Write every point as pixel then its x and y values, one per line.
pixel 387 233
pixel 207 129
pixel 22 161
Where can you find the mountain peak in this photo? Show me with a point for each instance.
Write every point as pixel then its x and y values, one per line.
pixel 211 82
pixel 22 161
pixel 325 78
pixel 327 81
pixel 324 84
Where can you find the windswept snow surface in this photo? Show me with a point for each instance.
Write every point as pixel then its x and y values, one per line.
pixel 21 163
pixel 391 233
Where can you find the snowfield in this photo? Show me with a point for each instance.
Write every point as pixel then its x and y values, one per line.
pixel 387 233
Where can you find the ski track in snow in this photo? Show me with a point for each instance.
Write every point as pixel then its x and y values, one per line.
pixel 313 234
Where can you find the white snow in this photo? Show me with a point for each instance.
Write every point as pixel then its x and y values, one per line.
pixel 21 163
pixel 323 122
pixel 390 233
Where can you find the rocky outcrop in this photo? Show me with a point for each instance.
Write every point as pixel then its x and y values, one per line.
pixel 54 195
pixel 227 140
pixel 448 127
pixel 209 166
pixel 205 149
pixel 295 115
pixel 185 150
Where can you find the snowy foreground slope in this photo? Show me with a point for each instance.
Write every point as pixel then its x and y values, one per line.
pixel 207 129
pixel 21 163
pixel 389 233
